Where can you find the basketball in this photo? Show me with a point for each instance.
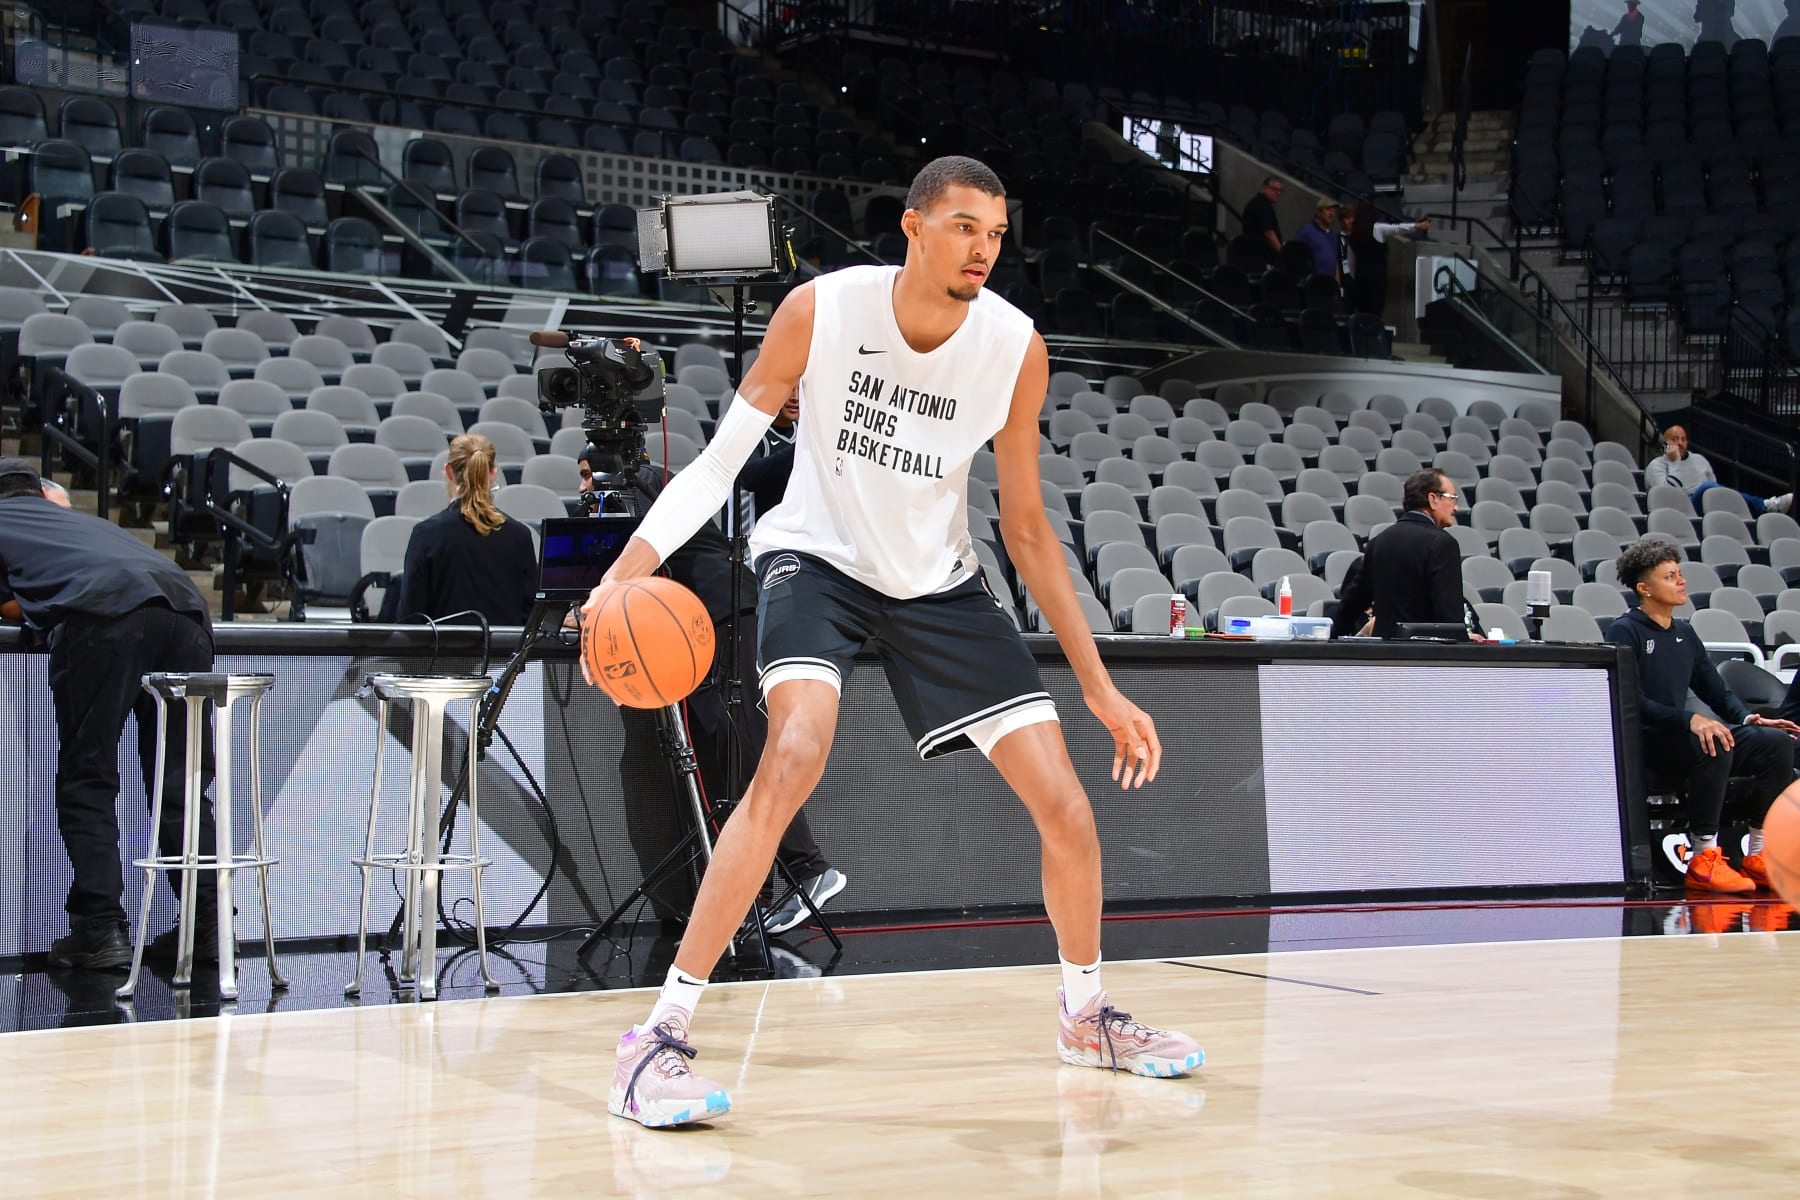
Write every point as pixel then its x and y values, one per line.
pixel 648 643
pixel 1781 847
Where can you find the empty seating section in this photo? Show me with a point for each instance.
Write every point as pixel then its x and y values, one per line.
pixel 650 80
pixel 638 77
pixel 318 403
pixel 1678 177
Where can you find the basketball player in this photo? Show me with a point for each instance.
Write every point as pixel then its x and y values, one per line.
pixel 904 374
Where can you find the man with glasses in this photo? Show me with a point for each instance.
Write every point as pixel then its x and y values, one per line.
pixel 1680 745
pixel 1412 570
pixel 1260 223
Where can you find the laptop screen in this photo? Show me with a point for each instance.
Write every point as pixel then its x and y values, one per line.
pixel 578 550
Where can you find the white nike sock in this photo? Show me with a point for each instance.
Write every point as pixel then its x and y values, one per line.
pixel 1700 845
pixel 678 991
pixel 1756 842
pixel 1080 984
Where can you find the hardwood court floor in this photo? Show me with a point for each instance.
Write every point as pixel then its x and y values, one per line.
pixel 1658 1067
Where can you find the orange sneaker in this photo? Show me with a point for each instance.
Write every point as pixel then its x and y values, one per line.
pixel 1772 917
pixel 1757 870
pixel 1719 916
pixel 1708 871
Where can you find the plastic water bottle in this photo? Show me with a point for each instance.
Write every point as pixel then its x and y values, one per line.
pixel 1178 611
pixel 1284 599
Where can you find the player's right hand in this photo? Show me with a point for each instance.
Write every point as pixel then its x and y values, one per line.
pixel 592 603
pixel 1714 735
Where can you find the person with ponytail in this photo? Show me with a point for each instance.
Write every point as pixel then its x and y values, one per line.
pixel 470 556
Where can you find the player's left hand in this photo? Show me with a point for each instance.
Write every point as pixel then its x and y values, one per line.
pixel 1787 727
pixel 1137 753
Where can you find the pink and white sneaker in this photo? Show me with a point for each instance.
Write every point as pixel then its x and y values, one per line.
pixel 651 1082
pixel 1102 1036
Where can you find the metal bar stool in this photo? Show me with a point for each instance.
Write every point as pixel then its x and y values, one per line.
pixel 224 691
pixel 422 862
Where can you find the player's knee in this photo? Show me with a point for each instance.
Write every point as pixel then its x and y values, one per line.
pixel 798 750
pixel 1067 818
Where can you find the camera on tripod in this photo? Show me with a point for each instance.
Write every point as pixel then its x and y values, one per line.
pixel 619 387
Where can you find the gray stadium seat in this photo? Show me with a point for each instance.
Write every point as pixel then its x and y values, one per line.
pixel 439 410
pixel 190 321
pixel 422 498
pixel 406 360
pixel 557 472
pixel 276 330
pixel 1567 623
pixel 529 503
pixel 282 459
pixel 378 470
pixel 296 377
pixel 353 410
pixel 331 514
pixel 383 551
pixel 238 349
pixel 316 433
pixel 417 440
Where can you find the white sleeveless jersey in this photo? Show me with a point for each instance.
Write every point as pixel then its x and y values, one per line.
pixel 881 466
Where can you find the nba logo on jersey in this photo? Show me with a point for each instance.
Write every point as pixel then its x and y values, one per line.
pixel 837 468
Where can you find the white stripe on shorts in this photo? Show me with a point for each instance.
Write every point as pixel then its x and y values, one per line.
pixel 962 724
pixel 784 669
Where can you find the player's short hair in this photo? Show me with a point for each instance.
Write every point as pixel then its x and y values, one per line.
pixel 1642 557
pixel 19 477
pixel 1415 494
pixel 953 170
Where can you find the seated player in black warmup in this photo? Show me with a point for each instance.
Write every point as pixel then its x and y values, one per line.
pixel 470 556
pixel 115 610
pixel 1679 745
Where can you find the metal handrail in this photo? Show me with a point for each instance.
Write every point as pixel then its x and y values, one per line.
pixel 1545 296
pixel 54 386
pixel 1446 280
pixel 407 234
pixel 1515 265
pixel 1545 299
pixel 846 238
pixel 1181 279
pixel 236 530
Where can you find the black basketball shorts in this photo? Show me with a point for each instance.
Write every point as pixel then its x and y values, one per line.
pixel 953 659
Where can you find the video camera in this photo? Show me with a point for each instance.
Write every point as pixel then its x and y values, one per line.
pixel 620 390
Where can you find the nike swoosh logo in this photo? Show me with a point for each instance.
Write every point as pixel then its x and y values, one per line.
pixel 866 350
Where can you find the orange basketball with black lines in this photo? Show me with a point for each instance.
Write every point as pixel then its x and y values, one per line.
pixel 1781 847
pixel 648 643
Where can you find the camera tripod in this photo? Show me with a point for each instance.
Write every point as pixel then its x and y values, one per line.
pixel 545 627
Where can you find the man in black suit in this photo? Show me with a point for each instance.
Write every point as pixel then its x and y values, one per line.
pixel 1412 570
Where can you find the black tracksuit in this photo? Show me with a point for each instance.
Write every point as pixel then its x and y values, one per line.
pixel 1411 571
pixel 116 611
pixel 1670 662
pixel 702 564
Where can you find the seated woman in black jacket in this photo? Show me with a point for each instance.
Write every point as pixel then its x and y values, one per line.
pixel 470 556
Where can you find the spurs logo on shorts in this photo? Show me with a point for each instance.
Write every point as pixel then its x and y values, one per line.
pixel 782 568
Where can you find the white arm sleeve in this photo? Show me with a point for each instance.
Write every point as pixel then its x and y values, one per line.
pixel 700 491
